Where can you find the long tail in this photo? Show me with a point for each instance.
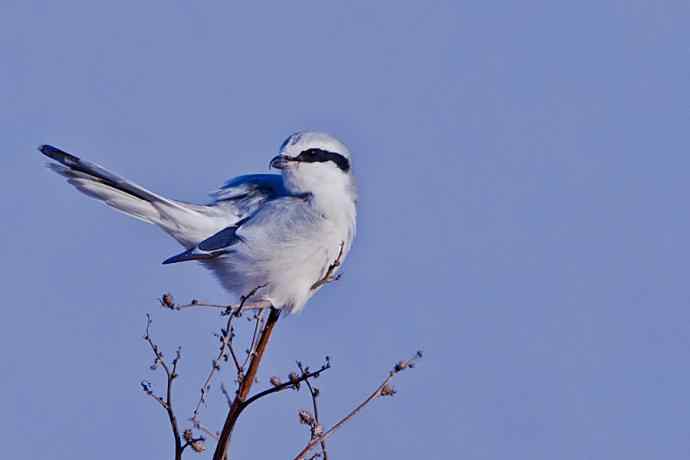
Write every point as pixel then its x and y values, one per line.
pixel 187 223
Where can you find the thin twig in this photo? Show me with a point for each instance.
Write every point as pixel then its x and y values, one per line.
pixel 226 336
pixel 238 369
pixel 225 392
pixel 314 392
pixel 171 374
pixel 201 427
pixel 197 444
pixel 258 317
pixel 284 386
pixel 167 301
pixel 384 389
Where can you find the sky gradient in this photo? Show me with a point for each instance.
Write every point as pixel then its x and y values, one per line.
pixel 523 178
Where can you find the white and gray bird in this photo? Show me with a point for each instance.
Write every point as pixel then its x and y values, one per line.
pixel 282 232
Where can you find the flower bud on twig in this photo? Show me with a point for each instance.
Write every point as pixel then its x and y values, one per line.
pixel 306 418
pixel 167 300
pixel 294 379
pixel 387 390
pixel 198 446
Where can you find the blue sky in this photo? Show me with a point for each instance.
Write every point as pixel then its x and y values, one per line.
pixel 522 169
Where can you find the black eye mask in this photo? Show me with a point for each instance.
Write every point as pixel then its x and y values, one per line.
pixel 321 156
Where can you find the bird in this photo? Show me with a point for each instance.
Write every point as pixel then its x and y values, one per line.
pixel 272 239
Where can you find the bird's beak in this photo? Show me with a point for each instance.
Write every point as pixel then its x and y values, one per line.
pixel 280 162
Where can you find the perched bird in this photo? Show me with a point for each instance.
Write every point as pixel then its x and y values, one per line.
pixel 283 234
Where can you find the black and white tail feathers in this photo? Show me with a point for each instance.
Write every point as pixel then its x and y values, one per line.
pixel 187 223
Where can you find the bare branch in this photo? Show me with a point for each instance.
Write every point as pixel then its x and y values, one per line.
pixel 226 336
pixel 292 383
pixel 167 301
pixel 228 398
pixel 384 389
pixel 258 318
pixel 203 428
pixel 316 428
pixel 197 444
pixel 146 387
pixel 238 368
pixel 171 374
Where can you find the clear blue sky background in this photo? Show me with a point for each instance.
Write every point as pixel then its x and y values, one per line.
pixel 523 169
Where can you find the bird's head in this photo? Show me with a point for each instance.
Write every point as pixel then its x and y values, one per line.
pixel 313 162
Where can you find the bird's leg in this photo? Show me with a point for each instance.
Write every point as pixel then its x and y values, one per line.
pixel 330 275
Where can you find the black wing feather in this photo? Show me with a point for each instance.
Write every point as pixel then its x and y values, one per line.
pixel 212 247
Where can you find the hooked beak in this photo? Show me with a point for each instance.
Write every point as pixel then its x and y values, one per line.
pixel 280 162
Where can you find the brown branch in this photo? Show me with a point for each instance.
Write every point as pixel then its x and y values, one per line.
pixel 245 386
pixel 292 383
pixel 384 389
pixel 167 301
pixel 171 374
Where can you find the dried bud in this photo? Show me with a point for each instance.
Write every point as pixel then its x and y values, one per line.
pixel 275 381
pixel 198 446
pixel 167 300
pixel 387 390
pixel 188 435
pixel 306 418
pixel 294 379
pixel 401 365
pixel 146 386
pixel 317 431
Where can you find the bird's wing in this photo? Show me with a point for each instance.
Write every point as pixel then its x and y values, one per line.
pixel 212 247
pixel 244 195
pixel 267 223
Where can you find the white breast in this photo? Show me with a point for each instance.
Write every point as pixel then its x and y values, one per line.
pixel 287 248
